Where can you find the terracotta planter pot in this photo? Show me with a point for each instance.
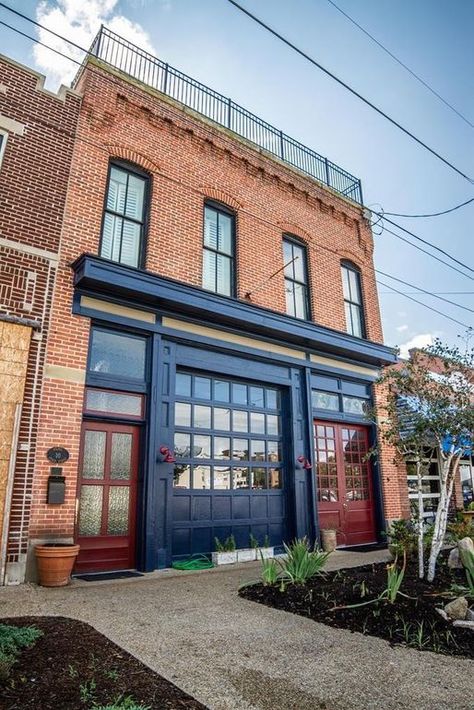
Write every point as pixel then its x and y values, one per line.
pixel 468 515
pixel 55 563
pixel 328 540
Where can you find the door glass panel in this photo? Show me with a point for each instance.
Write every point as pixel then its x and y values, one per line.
pixel 182 414
pixel 222 419
pixel 241 478
pixel 221 447
pixel 201 447
pixel 120 456
pixel 274 478
pixel 259 478
pixel 257 450
pixel 183 384
pixel 182 477
pixel 202 387
pixel 239 393
pixel 273 428
pixel 239 420
pixel 240 449
pixel 119 501
pixel 90 510
pixel 221 477
pixel 202 417
pixel 94 454
pixel 221 391
pixel 182 445
pixel 257 423
pixel 201 477
pixel 256 397
pixel 273 451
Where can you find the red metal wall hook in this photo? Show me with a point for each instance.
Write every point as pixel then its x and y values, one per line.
pixel 168 456
pixel 304 462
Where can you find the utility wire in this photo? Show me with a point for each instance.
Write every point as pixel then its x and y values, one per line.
pixel 422 290
pixel 402 64
pixel 312 245
pixel 352 91
pixel 464 325
pixel 433 214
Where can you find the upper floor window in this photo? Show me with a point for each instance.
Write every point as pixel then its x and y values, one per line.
pixel 125 215
pixel 3 142
pixel 218 251
pixel 296 279
pixel 353 300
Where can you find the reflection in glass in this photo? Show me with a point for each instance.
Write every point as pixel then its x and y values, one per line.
pixel 221 419
pixel 273 425
pixel 182 477
pixel 241 478
pixel 120 455
pixel 202 417
pixel 274 478
pixel 257 423
pixel 257 450
pixel 201 477
pixel 221 477
pixel 221 447
pixel 259 478
pixel 116 402
pixel 90 510
pixel 239 420
pixel 273 451
pixel 94 454
pixel 239 393
pixel 201 447
pixel 183 384
pixel 325 400
pixel 202 387
pixel 240 449
pixel 256 397
pixel 182 445
pixel 182 414
pixel 354 405
pixel 119 498
pixel 272 399
pixel 221 391
pixel 117 354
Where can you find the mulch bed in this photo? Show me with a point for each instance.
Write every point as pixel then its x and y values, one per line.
pixel 71 655
pixel 411 622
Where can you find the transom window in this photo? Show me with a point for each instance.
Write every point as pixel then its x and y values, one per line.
pixel 117 359
pixel 296 279
pixel 332 394
pixel 353 300
pixel 124 217
pixel 228 435
pixel 218 250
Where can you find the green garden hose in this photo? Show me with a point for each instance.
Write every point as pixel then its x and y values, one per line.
pixel 194 562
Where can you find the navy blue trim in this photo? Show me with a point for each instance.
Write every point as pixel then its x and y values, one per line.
pixel 142 287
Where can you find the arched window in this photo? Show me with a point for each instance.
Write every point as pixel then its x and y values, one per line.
pixel 218 267
pixel 125 214
pixel 353 304
pixel 296 278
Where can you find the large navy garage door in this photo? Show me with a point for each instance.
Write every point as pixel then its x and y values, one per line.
pixel 229 475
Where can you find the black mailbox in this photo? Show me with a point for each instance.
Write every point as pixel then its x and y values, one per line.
pixel 56 487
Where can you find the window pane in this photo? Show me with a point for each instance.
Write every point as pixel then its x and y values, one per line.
pixel 201 477
pixel 182 477
pixel 222 419
pixel 274 478
pixel 209 268
pixel 273 425
pixel 135 196
pixel 356 321
pixel 239 420
pixel 325 400
pixel 221 391
pixel 256 397
pixel 240 449
pixel 111 236
pixel 102 401
pixel 272 398
pixel 90 510
pixel 201 447
pixel 117 354
pixel 202 417
pixel 183 384
pixel 354 286
pixel 299 263
pixel 347 309
pixel 119 500
pixel 273 451
pixel 225 233
pixel 182 414
pixel 130 243
pixel 259 478
pixel 299 292
pixel 354 405
pixel 202 387
pixel 345 284
pixel 257 423
pixel 221 477
pixel 241 478
pixel 120 455
pixel 223 281
pixel 182 445
pixel 289 270
pixel 117 189
pixel 94 454
pixel 257 450
pixel 221 447
pixel 210 228
pixel 290 297
pixel 239 393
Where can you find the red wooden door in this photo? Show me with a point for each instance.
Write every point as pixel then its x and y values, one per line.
pixel 344 482
pixel 107 497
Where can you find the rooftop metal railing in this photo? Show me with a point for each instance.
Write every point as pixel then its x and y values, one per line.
pixel 138 64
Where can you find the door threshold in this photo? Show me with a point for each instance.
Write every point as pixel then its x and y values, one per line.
pixel 363 547
pixel 104 576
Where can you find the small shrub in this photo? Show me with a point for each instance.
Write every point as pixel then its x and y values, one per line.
pixel 402 537
pixel 253 542
pixel 228 545
pixel 467 559
pixel 460 528
pixel 395 577
pixel 302 563
pixel 12 640
pixel 122 703
pixel 270 571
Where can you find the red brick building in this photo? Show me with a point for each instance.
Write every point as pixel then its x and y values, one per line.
pixel 215 331
pixel 37 131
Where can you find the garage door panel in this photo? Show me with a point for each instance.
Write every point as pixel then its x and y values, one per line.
pixel 241 507
pixel 221 507
pixel 259 507
pixel 181 541
pixel 182 507
pixel 202 507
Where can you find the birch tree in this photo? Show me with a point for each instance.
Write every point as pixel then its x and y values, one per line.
pixel 429 407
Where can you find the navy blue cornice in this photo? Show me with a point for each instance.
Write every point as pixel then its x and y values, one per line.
pixel 92 273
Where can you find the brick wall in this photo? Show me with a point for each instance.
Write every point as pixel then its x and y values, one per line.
pixel 34 176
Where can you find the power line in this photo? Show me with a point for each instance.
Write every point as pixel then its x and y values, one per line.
pixel 438 293
pixel 351 90
pixel 422 290
pixel 464 325
pixel 410 71
pixel 433 214
pixel 312 245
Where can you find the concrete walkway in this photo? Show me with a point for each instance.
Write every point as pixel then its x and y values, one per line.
pixel 232 654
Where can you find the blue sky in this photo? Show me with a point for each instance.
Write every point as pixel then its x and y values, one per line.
pixel 215 43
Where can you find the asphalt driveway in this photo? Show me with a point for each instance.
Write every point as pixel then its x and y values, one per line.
pixel 232 654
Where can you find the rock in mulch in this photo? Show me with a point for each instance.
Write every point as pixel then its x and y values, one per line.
pixel 457 609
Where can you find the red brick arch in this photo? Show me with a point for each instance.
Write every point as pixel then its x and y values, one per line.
pixel 124 153
pixel 213 193
pixel 295 231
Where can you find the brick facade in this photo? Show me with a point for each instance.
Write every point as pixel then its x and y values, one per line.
pixel 39 128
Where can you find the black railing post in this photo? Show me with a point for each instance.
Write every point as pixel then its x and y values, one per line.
pixel 282 146
pixel 326 165
pixel 229 116
pixel 165 82
pixel 99 41
pixel 360 192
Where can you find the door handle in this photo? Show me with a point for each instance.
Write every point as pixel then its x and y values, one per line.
pixel 344 505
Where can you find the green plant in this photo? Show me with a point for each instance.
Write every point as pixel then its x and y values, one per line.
pixel 395 577
pixel 12 640
pixel 122 703
pixel 72 671
pixel 471 506
pixel 253 542
pixel 266 541
pixel 112 674
pixel 270 571
pixel 402 537
pixel 87 691
pixel 301 562
pixel 228 545
pixel 467 559
pixel 460 528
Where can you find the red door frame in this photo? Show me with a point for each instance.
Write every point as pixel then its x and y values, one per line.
pixel 354 520
pixel 104 552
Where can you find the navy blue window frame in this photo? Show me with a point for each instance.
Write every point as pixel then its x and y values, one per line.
pixel 114 381
pixel 352 303
pixel 223 209
pixel 296 242
pixel 144 223
pixel 340 388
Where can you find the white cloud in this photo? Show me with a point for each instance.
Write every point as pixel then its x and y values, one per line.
pixel 79 21
pixel 418 341
pixel 401 328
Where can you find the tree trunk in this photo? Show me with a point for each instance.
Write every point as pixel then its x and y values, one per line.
pixel 441 519
pixel 420 531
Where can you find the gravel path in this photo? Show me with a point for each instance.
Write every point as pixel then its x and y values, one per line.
pixel 232 654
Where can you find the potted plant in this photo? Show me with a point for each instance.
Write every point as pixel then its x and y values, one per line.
pixel 266 550
pixel 55 561
pixel 329 539
pixel 248 554
pixel 225 553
